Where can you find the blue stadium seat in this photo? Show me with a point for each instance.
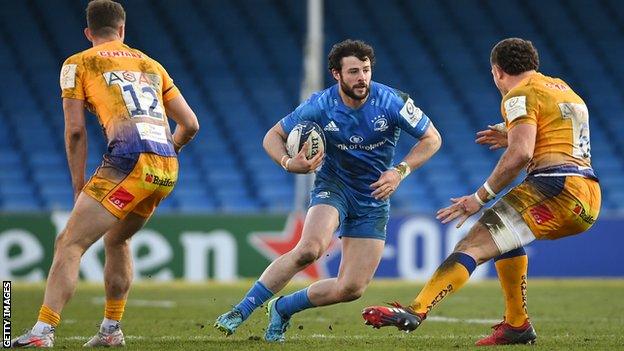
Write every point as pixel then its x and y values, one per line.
pixel 239 65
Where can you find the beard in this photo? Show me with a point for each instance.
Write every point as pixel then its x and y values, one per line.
pixel 350 92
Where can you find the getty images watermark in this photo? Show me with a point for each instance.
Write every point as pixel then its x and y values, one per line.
pixel 6 313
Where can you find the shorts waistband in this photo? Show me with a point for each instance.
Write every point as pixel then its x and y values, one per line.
pixel 565 171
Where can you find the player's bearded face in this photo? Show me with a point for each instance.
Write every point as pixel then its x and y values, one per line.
pixel 355 77
pixel 358 91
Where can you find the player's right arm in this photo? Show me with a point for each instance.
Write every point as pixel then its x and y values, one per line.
pixel 187 124
pixel 178 110
pixel 275 139
pixel 72 92
pixel 75 142
pixel 274 145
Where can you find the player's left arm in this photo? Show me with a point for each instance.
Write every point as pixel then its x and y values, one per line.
pixel 521 139
pixel 429 143
pixel 426 147
pixel 75 142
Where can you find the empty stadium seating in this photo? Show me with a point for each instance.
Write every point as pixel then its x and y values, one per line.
pixel 239 64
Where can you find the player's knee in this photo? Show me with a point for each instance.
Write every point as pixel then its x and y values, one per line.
pixel 114 242
pixel 306 256
pixel 463 245
pixel 307 253
pixel 350 291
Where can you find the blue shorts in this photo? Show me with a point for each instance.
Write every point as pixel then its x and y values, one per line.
pixel 356 220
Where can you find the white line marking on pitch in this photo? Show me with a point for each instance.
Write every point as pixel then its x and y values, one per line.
pixel 316 336
pixel 458 320
pixel 140 303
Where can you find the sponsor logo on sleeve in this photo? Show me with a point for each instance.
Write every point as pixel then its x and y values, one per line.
pixel 68 76
pixel 515 107
pixel 323 195
pixel 411 113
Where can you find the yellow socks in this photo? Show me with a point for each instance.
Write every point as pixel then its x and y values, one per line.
pixel 512 272
pixel 449 277
pixel 114 309
pixel 46 315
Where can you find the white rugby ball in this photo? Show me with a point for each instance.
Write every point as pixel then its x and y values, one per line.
pixel 305 131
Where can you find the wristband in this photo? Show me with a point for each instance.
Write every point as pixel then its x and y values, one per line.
pixel 491 193
pixel 476 196
pixel 403 169
pixel 284 164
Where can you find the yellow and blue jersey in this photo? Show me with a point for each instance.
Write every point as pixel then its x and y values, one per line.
pixel 561 118
pixel 126 90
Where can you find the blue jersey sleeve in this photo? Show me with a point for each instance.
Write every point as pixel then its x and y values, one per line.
pixel 407 115
pixel 309 110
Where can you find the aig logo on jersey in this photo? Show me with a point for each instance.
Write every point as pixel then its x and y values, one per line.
pixel 411 113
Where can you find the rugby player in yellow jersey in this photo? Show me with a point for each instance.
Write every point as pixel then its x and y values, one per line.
pixel 132 95
pixel 547 131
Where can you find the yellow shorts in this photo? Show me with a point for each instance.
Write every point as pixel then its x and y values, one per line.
pixel 543 207
pixel 133 183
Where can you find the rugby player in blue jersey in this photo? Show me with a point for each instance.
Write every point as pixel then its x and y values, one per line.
pixel 362 121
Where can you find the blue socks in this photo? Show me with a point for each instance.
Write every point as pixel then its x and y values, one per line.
pixel 293 303
pixel 285 306
pixel 256 296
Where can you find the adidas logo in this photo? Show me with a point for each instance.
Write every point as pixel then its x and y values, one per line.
pixel 331 127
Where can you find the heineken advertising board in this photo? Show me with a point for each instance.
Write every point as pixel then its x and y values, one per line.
pixel 225 248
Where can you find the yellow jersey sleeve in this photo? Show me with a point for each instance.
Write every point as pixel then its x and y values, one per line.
pixel 72 77
pixel 169 90
pixel 520 106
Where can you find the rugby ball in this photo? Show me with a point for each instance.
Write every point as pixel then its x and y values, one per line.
pixel 305 131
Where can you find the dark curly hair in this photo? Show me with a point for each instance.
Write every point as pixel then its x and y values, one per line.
pixel 347 48
pixel 104 17
pixel 515 55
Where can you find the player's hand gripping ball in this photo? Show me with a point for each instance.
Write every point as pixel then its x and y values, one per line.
pixel 306 131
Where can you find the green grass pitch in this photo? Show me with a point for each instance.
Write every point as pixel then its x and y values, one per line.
pixel 567 314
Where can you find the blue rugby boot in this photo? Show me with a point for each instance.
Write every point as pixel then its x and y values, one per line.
pixel 229 321
pixel 277 324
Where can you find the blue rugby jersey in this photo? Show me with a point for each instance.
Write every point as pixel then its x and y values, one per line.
pixel 360 143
